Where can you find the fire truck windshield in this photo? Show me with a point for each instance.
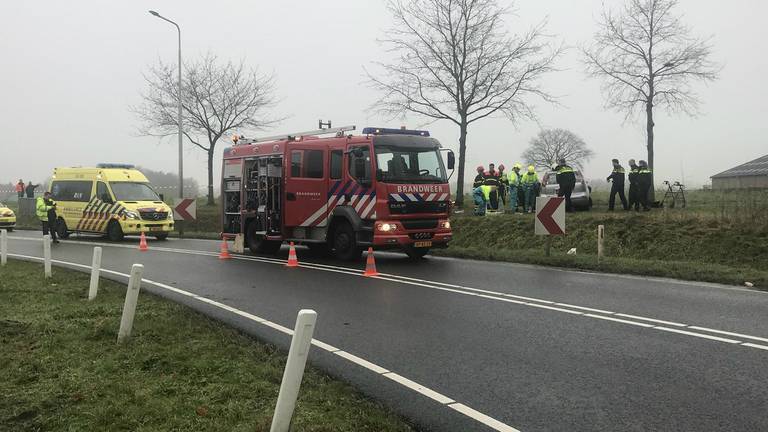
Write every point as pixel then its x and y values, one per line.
pixel 397 164
pixel 133 191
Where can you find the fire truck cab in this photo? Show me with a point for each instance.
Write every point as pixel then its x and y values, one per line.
pixel 386 188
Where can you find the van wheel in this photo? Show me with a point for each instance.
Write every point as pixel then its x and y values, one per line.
pixel 416 253
pixel 345 243
pixel 258 244
pixel 61 229
pixel 114 232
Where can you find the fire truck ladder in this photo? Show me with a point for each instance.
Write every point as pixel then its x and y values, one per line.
pixel 339 131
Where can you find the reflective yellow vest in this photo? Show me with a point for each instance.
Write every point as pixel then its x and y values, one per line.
pixel 530 178
pixel 41 208
pixel 514 178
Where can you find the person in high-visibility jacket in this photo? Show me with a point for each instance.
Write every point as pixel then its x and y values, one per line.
pixel 479 178
pixel 566 181
pixel 492 180
pixel 45 209
pixel 645 177
pixel 513 181
pixel 482 197
pixel 528 182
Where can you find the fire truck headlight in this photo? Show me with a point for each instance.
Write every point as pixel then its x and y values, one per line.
pixel 445 224
pixel 386 227
pixel 131 214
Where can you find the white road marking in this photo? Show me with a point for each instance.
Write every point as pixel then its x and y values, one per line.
pixel 440 398
pixel 482 418
pixel 728 333
pixel 667 329
pixel 458 289
pixel 635 323
pixel 412 385
pixel 675 324
pixel 751 345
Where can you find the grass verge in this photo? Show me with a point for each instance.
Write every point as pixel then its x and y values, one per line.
pixel 62 369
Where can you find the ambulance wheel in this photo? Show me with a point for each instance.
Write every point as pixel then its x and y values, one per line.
pixel 61 229
pixel 114 232
pixel 416 253
pixel 345 243
pixel 161 237
pixel 258 244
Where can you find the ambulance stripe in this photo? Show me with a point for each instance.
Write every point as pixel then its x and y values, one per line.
pixel 91 217
pixel 85 212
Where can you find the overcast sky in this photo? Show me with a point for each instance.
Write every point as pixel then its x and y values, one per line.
pixel 70 71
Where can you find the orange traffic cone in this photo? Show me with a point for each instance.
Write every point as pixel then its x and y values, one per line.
pixel 292 260
pixel 370 264
pixel 224 254
pixel 143 243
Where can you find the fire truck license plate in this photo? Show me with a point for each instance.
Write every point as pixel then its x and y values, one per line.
pixel 422 244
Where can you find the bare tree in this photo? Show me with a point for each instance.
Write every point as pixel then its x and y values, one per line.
pixel 647 57
pixel 455 61
pixel 217 98
pixel 551 145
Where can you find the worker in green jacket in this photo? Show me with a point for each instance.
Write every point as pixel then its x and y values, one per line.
pixel 45 209
pixel 513 182
pixel 528 182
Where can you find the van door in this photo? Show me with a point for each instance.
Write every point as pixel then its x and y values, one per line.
pixel 305 187
pixel 73 197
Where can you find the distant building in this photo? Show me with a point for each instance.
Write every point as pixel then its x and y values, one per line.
pixel 751 175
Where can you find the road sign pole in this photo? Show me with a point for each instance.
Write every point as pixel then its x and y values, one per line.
pixel 294 370
pixel 47 255
pixel 600 240
pixel 95 272
pixel 548 246
pixel 3 247
pixel 131 298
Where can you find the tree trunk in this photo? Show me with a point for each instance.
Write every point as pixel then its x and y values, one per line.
pixel 462 160
pixel 210 177
pixel 649 130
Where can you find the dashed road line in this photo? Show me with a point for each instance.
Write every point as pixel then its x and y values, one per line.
pixel 474 292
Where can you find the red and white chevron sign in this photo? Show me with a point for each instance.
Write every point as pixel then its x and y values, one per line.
pixel 550 216
pixel 185 209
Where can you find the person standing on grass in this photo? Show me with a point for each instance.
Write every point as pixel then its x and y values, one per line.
pixel 513 180
pixel 644 187
pixel 617 186
pixel 528 183
pixel 492 181
pixel 503 187
pixel 45 209
pixel 20 189
pixel 566 182
pixel 634 182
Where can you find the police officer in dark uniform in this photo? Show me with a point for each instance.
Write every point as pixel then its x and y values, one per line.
pixel 634 182
pixel 566 180
pixel 617 186
pixel 492 180
pixel 645 177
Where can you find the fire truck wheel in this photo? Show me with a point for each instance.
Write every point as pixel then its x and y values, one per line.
pixel 345 243
pixel 416 253
pixel 257 244
pixel 61 229
pixel 114 232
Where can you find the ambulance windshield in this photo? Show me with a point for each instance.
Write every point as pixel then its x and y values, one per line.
pixel 409 165
pixel 132 191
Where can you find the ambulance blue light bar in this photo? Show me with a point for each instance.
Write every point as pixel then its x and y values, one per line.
pixel 392 131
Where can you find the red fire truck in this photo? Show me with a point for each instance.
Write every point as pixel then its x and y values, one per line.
pixel 386 188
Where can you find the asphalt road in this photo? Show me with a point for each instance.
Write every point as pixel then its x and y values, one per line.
pixel 498 346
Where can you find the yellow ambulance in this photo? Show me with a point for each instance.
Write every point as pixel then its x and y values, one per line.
pixel 7 218
pixel 111 199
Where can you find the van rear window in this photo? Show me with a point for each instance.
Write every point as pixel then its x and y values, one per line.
pixel 71 190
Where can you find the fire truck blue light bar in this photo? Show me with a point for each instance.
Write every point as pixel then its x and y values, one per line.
pixel 392 131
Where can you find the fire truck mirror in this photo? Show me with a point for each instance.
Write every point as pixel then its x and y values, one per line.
pixel 451 160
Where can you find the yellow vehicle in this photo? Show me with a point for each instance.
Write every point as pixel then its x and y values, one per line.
pixel 7 218
pixel 111 199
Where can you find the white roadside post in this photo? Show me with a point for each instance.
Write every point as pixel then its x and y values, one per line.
pixel 95 272
pixel 3 247
pixel 47 255
pixel 131 298
pixel 294 370
pixel 600 239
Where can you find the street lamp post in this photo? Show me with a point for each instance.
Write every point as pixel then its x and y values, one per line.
pixel 181 164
